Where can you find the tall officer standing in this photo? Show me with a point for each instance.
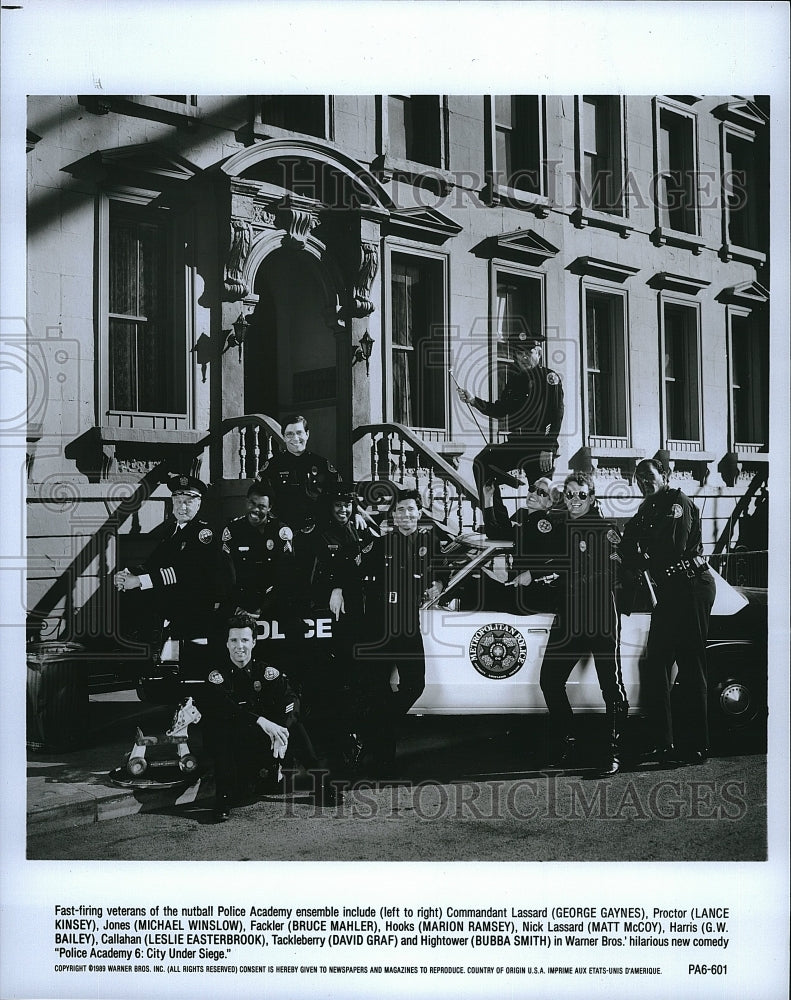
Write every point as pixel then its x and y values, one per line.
pixel 579 555
pixel 664 538
pixel 533 403
pixel 405 569
pixel 296 477
pixel 188 574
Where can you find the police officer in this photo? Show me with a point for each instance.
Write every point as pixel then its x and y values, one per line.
pixel 251 720
pixel 664 539
pixel 339 547
pixel 579 554
pixel 296 477
pixel 188 574
pixel 533 403
pixel 257 546
pixel 405 569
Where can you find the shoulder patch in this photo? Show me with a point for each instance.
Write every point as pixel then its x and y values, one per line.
pixel 367 548
pixel 271 673
pixel 677 510
pixel 553 378
pixel 205 535
pixel 544 526
pixel 613 537
pixel 215 677
pixel 226 534
pixel 264 467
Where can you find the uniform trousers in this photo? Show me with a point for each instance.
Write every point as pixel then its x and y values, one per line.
pixel 387 707
pixel 678 632
pixel 505 456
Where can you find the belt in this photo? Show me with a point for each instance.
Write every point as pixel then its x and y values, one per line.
pixel 686 567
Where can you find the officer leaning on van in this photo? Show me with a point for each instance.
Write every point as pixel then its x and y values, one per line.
pixel 574 551
pixel 251 720
pixel 664 539
pixel 188 574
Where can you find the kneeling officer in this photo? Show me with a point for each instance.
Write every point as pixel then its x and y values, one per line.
pixel 251 716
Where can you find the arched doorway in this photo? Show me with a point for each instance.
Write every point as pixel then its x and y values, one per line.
pixel 290 363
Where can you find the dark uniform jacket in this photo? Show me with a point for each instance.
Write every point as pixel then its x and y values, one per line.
pixel 533 403
pixel 295 482
pixel 582 553
pixel 239 696
pixel 665 529
pixel 399 570
pixel 338 554
pixel 256 553
pixel 190 573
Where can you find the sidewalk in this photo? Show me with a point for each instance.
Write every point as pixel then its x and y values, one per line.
pixel 71 788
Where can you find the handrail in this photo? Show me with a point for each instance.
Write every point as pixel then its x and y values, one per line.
pixel 743 503
pixel 420 446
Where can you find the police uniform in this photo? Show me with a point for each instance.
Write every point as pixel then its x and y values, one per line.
pixel 294 483
pixel 256 552
pixel 232 701
pixel 532 402
pixel 664 537
pixel 189 575
pixel 581 554
pixel 399 570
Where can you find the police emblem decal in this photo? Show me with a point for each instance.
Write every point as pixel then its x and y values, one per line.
pixel 205 535
pixel 553 379
pixel 544 526
pixel 498 650
pixel 677 510
pixel 215 677
pixel 271 674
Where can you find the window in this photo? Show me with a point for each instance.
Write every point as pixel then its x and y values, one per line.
pixel 144 363
pixel 518 307
pixel 681 372
pixel 518 160
pixel 606 365
pixel 419 353
pixel 305 113
pixel 414 127
pixel 601 155
pixel 740 191
pixel 749 346
pixel 677 171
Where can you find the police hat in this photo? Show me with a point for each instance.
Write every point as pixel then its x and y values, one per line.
pixel 340 491
pixel 524 338
pixel 186 484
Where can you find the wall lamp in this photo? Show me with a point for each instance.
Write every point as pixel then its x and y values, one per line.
pixel 237 333
pixel 362 352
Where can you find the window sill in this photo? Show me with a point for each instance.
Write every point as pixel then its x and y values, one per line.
pixel 147 435
pixel 387 167
pixel 674 237
pixel 261 130
pixel 730 251
pixel 538 204
pixel 583 217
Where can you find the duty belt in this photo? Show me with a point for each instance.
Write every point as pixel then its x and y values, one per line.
pixel 687 567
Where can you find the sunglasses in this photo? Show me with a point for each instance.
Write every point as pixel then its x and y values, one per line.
pixel 570 496
pixel 538 492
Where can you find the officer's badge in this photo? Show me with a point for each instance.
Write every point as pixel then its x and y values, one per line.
pixel 583 545
pixel 257 685
pixel 284 477
pixel 270 544
pixel 677 510
pixel 331 468
pixel 205 535
pixel 422 551
pixel 271 674
pixel 314 471
pixel 215 677
pixel 307 528
pixel 544 526
pixel 613 537
pixel 226 535
pixel 553 378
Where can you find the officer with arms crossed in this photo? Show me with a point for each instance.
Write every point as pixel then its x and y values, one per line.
pixel 533 403
pixel 580 549
pixel 664 538
pixel 251 719
pixel 188 574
